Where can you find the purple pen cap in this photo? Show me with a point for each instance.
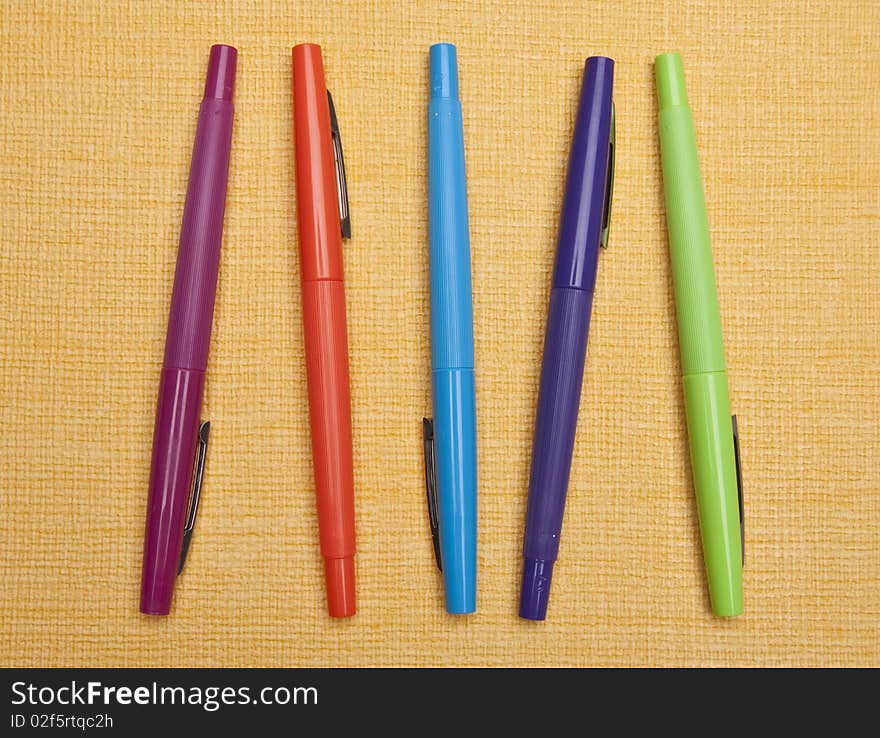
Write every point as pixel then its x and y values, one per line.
pixel 220 80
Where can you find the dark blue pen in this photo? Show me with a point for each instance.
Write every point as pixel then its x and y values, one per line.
pixel 583 228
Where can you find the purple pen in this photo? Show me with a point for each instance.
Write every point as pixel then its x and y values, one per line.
pixel 583 228
pixel 180 439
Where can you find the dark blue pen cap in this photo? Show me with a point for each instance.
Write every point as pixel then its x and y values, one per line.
pixel 583 209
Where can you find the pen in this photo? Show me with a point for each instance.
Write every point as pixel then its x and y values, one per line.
pixel 322 213
pixel 451 438
pixel 180 439
pixel 583 228
pixel 713 441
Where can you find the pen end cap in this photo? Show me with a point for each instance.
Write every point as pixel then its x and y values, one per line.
pixel 444 71
pixel 302 53
pixel 339 574
pixel 671 91
pixel 220 80
pixel 535 590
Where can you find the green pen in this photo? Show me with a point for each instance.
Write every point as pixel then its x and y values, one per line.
pixel 713 439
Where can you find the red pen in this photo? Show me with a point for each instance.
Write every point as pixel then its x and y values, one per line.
pixel 322 212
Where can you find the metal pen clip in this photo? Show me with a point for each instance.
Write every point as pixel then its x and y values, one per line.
pixel 198 475
pixel 431 487
pixel 609 185
pixel 739 489
pixel 341 185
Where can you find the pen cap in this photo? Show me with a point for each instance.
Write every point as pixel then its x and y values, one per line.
pixel 583 209
pixel 175 438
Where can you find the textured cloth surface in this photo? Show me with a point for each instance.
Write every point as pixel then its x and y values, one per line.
pixel 99 104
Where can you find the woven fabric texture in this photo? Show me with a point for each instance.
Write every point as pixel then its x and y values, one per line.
pixel 99 104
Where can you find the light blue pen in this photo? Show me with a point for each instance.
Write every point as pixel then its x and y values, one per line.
pixel 451 441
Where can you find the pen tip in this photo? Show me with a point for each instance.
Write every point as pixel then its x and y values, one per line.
pixel 444 71
pixel 220 80
pixel 671 91
pixel 535 589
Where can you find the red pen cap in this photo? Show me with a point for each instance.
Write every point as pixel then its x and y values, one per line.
pixel 316 192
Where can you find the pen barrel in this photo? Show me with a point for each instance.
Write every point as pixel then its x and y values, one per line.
pixel 198 255
pixel 710 434
pixel 174 446
pixel 693 272
pixel 455 454
pixel 326 345
pixel 562 372
pixel 452 334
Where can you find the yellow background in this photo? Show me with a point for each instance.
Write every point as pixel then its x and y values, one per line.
pixel 98 105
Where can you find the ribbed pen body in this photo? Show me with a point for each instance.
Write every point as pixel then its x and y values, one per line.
pixel 562 374
pixel 693 272
pixel 198 255
pixel 452 336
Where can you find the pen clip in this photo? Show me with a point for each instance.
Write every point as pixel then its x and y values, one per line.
pixel 431 487
pixel 609 184
pixel 739 489
pixel 341 185
pixel 198 475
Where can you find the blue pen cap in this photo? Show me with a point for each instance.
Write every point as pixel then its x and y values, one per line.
pixel 583 209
